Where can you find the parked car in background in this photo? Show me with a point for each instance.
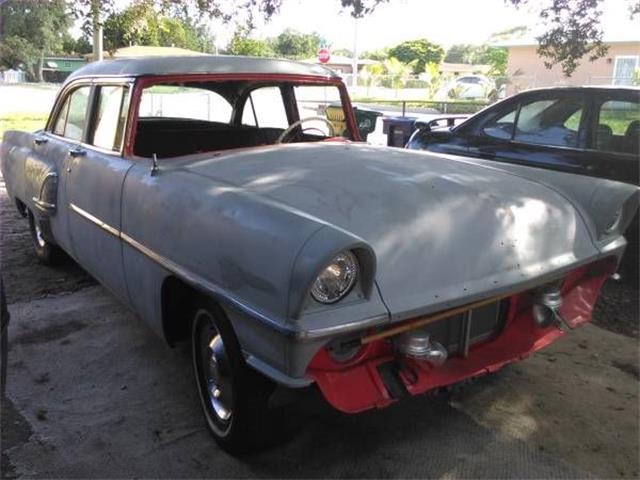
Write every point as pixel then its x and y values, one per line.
pixel 467 87
pixel 209 196
pixel 587 130
pixel 591 131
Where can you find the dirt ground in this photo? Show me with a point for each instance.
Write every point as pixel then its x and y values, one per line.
pixel 92 393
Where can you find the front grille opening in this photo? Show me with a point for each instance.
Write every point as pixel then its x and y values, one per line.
pixel 458 333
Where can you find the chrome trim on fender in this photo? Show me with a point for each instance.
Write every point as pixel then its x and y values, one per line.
pixel 38 201
pixel 83 213
pixel 275 374
pixel 198 281
pixel 42 205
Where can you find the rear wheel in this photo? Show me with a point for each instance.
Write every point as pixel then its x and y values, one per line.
pixel 233 396
pixel 47 252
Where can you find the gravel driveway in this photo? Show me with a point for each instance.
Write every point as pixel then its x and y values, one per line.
pixel 93 393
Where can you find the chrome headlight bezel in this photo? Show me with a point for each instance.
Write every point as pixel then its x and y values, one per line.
pixel 343 269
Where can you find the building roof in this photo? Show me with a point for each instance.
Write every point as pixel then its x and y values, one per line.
pixel 175 65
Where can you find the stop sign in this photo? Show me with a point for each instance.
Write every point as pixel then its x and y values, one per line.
pixel 324 55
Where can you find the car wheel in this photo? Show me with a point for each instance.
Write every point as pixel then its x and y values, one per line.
pixel 47 252
pixel 234 397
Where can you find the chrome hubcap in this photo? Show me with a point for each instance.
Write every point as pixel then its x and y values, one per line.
pixel 213 373
pixel 39 238
pixel 218 381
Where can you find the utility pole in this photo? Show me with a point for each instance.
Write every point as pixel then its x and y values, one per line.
pixel 354 65
pixel 97 31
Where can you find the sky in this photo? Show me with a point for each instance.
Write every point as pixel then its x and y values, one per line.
pixel 445 22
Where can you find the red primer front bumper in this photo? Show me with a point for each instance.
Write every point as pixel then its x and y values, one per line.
pixel 357 385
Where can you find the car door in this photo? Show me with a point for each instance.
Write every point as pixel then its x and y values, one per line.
pixel 94 179
pixel 541 130
pixel 57 143
pixel 613 135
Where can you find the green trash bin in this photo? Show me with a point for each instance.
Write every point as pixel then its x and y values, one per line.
pixel 366 120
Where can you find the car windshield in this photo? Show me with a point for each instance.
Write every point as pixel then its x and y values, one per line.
pixel 191 117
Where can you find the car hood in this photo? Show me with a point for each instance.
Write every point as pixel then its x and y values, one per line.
pixel 442 229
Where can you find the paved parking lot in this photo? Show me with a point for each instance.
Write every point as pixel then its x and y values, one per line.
pixel 93 393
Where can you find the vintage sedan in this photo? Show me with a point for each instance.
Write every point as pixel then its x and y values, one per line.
pixel 211 197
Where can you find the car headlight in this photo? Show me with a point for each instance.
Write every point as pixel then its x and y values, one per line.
pixel 615 222
pixel 337 278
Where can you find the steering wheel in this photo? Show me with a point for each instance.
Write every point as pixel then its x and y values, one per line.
pixel 294 125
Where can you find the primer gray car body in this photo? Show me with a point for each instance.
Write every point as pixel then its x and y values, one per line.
pixel 253 227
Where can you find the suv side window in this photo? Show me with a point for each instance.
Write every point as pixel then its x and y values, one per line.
pixel 72 117
pixel 618 127
pixel 553 122
pixel 501 127
pixel 265 108
pixel 110 117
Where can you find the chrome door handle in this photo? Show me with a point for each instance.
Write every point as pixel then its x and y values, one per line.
pixel 40 140
pixel 77 152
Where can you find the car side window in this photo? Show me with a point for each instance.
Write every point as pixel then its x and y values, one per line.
pixel 618 127
pixel 552 122
pixel 502 126
pixel 77 115
pixel 110 117
pixel 184 102
pixel 72 116
pixel 265 108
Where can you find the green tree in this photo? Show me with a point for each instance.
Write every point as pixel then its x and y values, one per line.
pixel 497 58
pixel 435 78
pixel 418 53
pixel 399 72
pixel 378 55
pixel 141 24
pixel 460 53
pixel 296 45
pixel 31 30
pixel 370 75
pixel 241 44
pixel 75 46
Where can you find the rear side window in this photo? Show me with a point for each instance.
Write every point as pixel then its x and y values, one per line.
pixel 110 117
pixel 618 128
pixel 265 108
pixel 553 122
pixel 177 101
pixel 72 117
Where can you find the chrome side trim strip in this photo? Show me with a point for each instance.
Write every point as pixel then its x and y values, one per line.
pixel 198 281
pixel 83 213
pixel 44 206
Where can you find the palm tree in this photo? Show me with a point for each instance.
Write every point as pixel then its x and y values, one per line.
pixel 370 74
pixel 435 78
pixel 398 71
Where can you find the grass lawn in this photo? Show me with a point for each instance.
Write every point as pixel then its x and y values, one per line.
pixel 20 121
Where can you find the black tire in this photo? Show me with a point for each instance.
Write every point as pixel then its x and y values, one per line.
pixel 238 417
pixel 47 252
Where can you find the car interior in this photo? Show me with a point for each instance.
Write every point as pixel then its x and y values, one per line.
pixel 187 118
